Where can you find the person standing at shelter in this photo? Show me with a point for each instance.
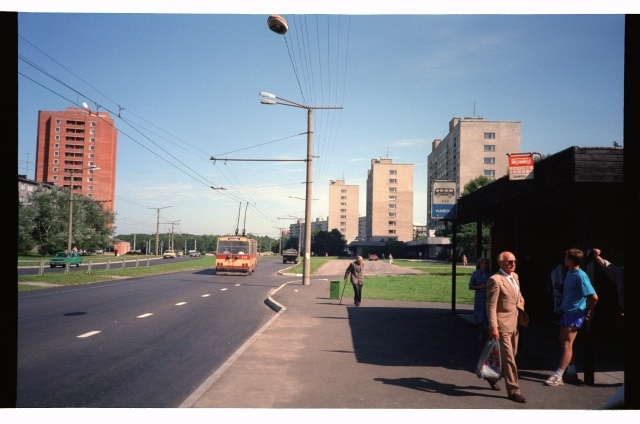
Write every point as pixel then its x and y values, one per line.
pixel 478 283
pixel 578 300
pixel 355 272
pixel 503 300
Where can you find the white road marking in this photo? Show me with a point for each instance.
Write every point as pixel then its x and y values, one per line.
pixel 181 303
pixel 238 285
pixel 89 334
pixel 224 289
pixel 206 295
pixel 144 315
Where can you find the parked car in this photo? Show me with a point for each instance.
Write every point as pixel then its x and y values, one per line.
pixel 61 259
pixel 169 254
pixel 194 253
pixel 373 257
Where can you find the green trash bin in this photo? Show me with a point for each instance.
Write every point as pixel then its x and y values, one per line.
pixel 334 290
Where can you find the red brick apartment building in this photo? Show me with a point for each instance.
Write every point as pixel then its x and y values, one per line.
pixel 72 142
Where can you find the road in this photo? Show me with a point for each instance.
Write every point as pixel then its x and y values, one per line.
pixel 136 343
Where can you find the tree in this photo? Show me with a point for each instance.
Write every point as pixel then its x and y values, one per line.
pixel 46 220
pixel 331 242
pixel 25 220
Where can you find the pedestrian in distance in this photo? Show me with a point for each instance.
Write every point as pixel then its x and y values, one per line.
pixel 505 312
pixel 355 272
pixel 464 260
pixel 578 300
pixel 478 283
pixel 390 259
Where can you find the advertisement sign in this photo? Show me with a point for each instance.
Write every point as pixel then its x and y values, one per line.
pixel 443 201
pixel 521 166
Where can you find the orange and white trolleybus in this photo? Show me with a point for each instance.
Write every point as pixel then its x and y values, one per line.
pixel 236 255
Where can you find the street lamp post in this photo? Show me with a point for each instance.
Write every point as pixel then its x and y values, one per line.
pixel 269 100
pixel 158 225
pixel 71 171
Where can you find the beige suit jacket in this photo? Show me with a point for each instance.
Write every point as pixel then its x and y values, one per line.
pixel 502 303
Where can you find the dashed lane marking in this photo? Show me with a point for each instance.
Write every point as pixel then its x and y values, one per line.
pixel 224 289
pixel 144 315
pixel 181 303
pixel 89 334
pixel 206 295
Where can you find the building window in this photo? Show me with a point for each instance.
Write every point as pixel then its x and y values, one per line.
pixel 91 139
pixel 343 210
pixel 56 153
pixel 92 123
pixel 90 188
pixel 90 155
pixel 392 222
pixel 392 214
pixel 392 206
pixel 392 231
pixel 92 147
pixel 393 197
pixel 343 197
pixel 489 147
pixel 489 161
pixel 57 137
pixel 343 203
pixel 343 224
pixel 92 131
pixel 392 181
pixel 343 190
pixel 58 121
pixel 489 173
pixel 55 177
pixel 393 172
pixel 55 169
pixel 343 216
pixel 56 161
pixel 489 136
pixel 57 129
pixel 56 145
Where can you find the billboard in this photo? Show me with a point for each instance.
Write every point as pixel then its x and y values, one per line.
pixel 443 203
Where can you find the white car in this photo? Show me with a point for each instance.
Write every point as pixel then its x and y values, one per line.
pixel 169 254
pixel 194 253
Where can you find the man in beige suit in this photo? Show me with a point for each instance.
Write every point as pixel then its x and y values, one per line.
pixel 503 300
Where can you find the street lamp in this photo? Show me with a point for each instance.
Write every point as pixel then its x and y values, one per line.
pixel 272 99
pixel 71 171
pixel 158 225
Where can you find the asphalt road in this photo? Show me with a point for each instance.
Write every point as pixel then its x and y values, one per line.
pixel 135 343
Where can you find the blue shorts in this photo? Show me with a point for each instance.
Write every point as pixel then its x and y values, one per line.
pixel 572 320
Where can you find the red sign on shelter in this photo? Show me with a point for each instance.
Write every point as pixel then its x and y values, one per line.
pixel 520 166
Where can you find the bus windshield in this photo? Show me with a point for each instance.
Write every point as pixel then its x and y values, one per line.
pixel 233 247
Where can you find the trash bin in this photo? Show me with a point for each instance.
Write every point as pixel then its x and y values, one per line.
pixel 334 290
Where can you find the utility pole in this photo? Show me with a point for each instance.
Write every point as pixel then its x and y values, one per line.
pixel 158 225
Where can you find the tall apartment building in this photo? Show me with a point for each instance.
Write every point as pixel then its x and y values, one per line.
pixel 389 201
pixel 344 201
pixel 70 143
pixel 473 147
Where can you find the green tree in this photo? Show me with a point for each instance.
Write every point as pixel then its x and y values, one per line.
pixel 46 219
pixel 25 221
pixel 331 242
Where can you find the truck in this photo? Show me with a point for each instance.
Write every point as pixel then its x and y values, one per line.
pixel 290 255
pixel 62 258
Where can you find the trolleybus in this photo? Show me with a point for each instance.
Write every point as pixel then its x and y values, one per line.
pixel 236 255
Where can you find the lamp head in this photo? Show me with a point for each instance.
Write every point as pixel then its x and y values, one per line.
pixel 278 24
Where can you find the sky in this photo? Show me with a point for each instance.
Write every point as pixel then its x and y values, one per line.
pixel 184 87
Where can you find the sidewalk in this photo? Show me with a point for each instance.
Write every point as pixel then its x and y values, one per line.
pixel 317 353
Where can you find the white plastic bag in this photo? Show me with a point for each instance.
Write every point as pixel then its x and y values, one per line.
pixel 490 364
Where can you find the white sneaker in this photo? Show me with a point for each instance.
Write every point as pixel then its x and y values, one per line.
pixel 554 380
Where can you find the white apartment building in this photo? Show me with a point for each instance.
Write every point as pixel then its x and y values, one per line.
pixel 472 148
pixel 343 208
pixel 389 201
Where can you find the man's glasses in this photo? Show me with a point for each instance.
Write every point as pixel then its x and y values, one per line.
pixel 511 262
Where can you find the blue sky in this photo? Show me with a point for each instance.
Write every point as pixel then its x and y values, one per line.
pixel 187 85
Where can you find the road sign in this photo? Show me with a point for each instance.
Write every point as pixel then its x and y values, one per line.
pixel 443 201
pixel 520 166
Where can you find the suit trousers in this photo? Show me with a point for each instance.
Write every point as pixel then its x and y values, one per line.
pixel 357 292
pixel 508 351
